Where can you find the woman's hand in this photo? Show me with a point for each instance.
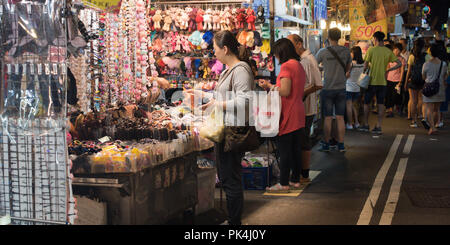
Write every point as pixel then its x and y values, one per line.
pixel 208 105
pixel 264 84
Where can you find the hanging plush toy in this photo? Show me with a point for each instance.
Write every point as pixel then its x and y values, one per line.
pixel 151 14
pixel 216 20
pixel 199 19
pixel 241 18
pixel 157 20
pixel 250 41
pixel 223 21
pixel 217 69
pixel 167 22
pixel 251 19
pixel 185 19
pixel 207 17
pixel 176 17
pixel 228 19
pixel 206 69
pixel 260 14
pixel 192 17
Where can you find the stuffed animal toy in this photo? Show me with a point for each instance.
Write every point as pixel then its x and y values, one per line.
pixel 260 14
pixel 250 41
pixel 207 17
pixel 242 37
pixel 216 20
pixel 184 19
pixel 157 20
pixel 228 18
pixel 207 39
pixel 217 68
pixel 196 66
pixel 199 19
pixel 176 17
pixel 196 38
pixel 192 17
pixel 241 18
pixel 178 43
pixel 167 22
pixel 151 13
pixel 251 18
pixel 235 19
pixel 223 21
pixel 206 69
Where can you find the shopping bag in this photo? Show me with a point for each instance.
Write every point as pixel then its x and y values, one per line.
pixel 267 112
pixel 364 80
pixel 213 127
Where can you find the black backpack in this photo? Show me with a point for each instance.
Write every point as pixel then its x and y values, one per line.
pixel 416 71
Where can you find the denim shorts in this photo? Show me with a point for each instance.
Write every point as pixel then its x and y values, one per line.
pixel 353 96
pixel 333 99
pixel 376 90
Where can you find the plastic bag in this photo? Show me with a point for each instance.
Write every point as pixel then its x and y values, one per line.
pixel 364 80
pixel 213 127
pixel 267 113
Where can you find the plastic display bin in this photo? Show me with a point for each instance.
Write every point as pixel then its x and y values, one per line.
pixel 256 178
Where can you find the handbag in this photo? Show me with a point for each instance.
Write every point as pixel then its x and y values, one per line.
pixel 240 138
pixel 364 79
pixel 430 89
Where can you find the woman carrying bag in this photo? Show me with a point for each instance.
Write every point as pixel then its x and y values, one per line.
pixel 237 79
pixel 290 85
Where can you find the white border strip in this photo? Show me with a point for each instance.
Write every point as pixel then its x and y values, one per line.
pixel 409 144
pixel 367 212
pixel 394 193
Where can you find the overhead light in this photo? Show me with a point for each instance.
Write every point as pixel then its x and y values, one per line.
pixel 297 6
pixel 323 24
pixel 333 24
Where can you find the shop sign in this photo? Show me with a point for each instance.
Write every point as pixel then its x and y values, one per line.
pixel 295 11
pixel 376 10
pixel 320 9
pixel 104 5
pixel 360 29
pixel 415 14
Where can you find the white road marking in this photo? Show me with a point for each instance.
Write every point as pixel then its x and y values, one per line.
pixel 394 193
pixel 367 212
pixel 409 144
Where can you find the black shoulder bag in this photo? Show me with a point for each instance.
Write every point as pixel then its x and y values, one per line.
pixel 240 138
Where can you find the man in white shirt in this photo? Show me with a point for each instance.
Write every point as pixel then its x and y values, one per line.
pixel 313 84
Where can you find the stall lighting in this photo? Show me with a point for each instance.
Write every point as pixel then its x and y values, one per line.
pixel 297 6
pixel 323 24
pixel 333 24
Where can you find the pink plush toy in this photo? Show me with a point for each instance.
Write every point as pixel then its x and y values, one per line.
pixel 216 20
pixel 192 17
pixel 185 19
pixel 217 68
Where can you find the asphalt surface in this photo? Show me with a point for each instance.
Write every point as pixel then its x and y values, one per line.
pixel 337 196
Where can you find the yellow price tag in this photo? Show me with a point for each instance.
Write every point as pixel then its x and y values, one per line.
pixel 105 5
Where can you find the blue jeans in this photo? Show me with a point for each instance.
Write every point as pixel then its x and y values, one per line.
pixel 333 99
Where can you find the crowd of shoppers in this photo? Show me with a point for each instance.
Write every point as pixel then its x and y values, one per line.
pixel 397 77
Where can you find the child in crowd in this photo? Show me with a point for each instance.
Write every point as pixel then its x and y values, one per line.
pixel 352 88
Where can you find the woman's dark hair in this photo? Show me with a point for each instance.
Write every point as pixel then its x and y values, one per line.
pixel 398 46
pixel 357 54
pixel 417 50
pixel 227 38
pixel 437 51
pixel 285 50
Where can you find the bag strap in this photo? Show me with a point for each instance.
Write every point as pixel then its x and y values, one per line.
pixel 440 68
pixel 337 57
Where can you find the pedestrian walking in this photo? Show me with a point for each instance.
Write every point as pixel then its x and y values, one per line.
pixel 394 78
pixel 312 85
pixel 378 57
pixel 337 62
pixel 435 69
pixel 352 88
pixel 414 80
pixel 290 84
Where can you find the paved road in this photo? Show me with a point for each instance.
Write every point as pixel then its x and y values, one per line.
pixel 377 181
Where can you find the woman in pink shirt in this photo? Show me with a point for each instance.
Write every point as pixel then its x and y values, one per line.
pixel 290 84
pixel 393 81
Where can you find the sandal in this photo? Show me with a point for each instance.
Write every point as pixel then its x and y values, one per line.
pixel 294 186
pixel 278 188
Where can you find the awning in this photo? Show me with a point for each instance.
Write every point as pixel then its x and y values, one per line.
pixel 293 19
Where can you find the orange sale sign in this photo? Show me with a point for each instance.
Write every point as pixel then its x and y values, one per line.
pixel 360 29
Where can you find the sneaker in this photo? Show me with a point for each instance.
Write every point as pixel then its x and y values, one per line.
pixel 425 124
pixel 376 130
pixel 356 126
pixel 440 125
pixel 413 125
pixel 348 126
pixel 325 147
pixel 364 128
pixel 341 147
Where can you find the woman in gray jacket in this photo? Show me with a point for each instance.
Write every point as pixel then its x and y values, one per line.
pixel 237 81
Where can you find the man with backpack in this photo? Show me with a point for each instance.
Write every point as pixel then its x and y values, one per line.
pixel 337 62
pixel 378 57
